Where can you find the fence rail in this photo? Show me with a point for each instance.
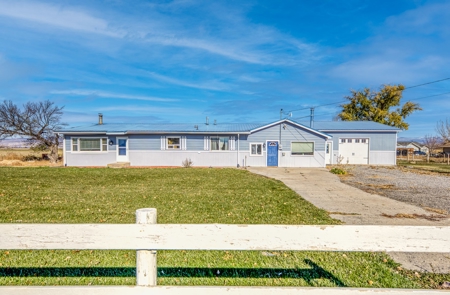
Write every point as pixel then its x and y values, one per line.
pixel 146 237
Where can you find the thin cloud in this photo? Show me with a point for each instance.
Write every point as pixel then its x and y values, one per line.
pixel 214 85
pixel 59 16
pixel 84 92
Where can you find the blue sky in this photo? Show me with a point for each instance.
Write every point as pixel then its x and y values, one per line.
pixel 233 61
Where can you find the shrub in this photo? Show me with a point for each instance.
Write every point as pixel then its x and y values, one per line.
pixel 339 171
pixel 30 157
pixel 187 163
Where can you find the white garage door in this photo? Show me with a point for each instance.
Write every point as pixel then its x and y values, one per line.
pixel 354 150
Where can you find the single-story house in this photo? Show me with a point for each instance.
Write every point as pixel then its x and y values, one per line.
pixel 284 143
pixel 409 147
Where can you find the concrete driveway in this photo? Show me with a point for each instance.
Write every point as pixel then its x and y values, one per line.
pixel 354 206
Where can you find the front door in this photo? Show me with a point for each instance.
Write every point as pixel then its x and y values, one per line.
pixel 329 153
pixel 122 149
pixel 272 153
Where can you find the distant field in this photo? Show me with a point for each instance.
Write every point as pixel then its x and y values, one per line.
pixel 98 195
pixel 440 167
pixel 12 156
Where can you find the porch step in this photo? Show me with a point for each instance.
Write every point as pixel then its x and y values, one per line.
pixel 119 165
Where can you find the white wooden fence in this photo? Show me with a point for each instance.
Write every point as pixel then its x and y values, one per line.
pixel 146 237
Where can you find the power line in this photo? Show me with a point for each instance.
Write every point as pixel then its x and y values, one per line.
pixel 427 83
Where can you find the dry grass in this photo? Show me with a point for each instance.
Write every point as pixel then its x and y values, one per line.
pixel 431 217
pixel 15 158
pixel 342 213
pixel 435 210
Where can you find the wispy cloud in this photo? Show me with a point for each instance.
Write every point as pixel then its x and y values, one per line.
pixel 211 85
pixel 238 39
pixel 57 15
pixel 103 94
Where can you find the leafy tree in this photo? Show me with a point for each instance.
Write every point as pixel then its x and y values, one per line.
pixel 368 105
pixel 36 121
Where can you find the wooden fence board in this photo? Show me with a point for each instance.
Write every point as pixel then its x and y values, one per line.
pixel 176 290
pixel 225 237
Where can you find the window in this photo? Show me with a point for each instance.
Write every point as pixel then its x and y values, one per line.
pixel 302 148
pixel 220 143
pixel 74 144
pixel 357 140
pixel 173 143
pixel 89 144
pixel 363 140
pixel 256 149
pixel 349 140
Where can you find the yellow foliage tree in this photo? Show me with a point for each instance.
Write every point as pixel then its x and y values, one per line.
pixel 368 105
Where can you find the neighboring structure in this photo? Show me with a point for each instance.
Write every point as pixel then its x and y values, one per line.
pixel 409 147
pixel 446 148
pixel 283 143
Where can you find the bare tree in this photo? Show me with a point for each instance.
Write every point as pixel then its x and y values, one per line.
pixel 36 121
pixel 432 143
pixel 443 129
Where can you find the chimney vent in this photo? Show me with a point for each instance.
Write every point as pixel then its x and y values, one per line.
pixel 100 119
pixel 215 122
pixel 207 121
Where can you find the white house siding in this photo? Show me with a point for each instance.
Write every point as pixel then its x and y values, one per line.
pixel 290 133
pixel 382 145
pixel 176 157
pixel 90 158
pixel 382 158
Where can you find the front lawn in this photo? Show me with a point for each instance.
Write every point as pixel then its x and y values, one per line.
pixel 88 195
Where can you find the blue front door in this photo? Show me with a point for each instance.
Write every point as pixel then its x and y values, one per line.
pixel 272 153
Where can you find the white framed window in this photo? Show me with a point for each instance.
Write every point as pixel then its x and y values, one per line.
pixel 363 140
pixel 357 140
pixel 256 149
pixel 173 143
pixel 220 143
pixel 89 144
pixel 302 148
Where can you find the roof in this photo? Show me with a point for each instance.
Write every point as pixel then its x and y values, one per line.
pixel 233 128
pixel 350 126
pixel 163 128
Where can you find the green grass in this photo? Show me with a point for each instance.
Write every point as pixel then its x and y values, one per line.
pixel 76 195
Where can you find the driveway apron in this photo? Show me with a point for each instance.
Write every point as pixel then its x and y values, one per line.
pixel 356 207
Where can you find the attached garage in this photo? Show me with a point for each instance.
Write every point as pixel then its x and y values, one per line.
pixel 354 150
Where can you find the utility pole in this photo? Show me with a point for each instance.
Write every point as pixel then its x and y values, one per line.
pixel 311 118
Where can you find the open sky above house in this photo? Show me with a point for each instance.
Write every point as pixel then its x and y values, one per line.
pixel 234 61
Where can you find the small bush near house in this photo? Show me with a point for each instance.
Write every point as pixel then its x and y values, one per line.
pixel 338 171
pixel 187 163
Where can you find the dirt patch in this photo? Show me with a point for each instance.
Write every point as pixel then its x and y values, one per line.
pixel 431 217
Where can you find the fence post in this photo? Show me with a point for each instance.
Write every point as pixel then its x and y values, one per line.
pixel 146 269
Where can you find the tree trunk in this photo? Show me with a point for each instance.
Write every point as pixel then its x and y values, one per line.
pixel 53 156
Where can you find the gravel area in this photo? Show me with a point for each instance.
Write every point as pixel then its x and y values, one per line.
pixel 427 190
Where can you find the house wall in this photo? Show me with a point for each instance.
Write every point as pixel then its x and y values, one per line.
pixel 89 158
pixel 145 150
pixel 382 145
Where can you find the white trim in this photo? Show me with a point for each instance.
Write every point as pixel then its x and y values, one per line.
pixel 293 123
pixel 180 145
pixel 250 149
pixel 163 143
pixel 88 152
pixel 232 143
pixel 206 143
pixel 125 158
pixel 64 151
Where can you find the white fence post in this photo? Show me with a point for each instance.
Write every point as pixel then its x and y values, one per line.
pixel 146 268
